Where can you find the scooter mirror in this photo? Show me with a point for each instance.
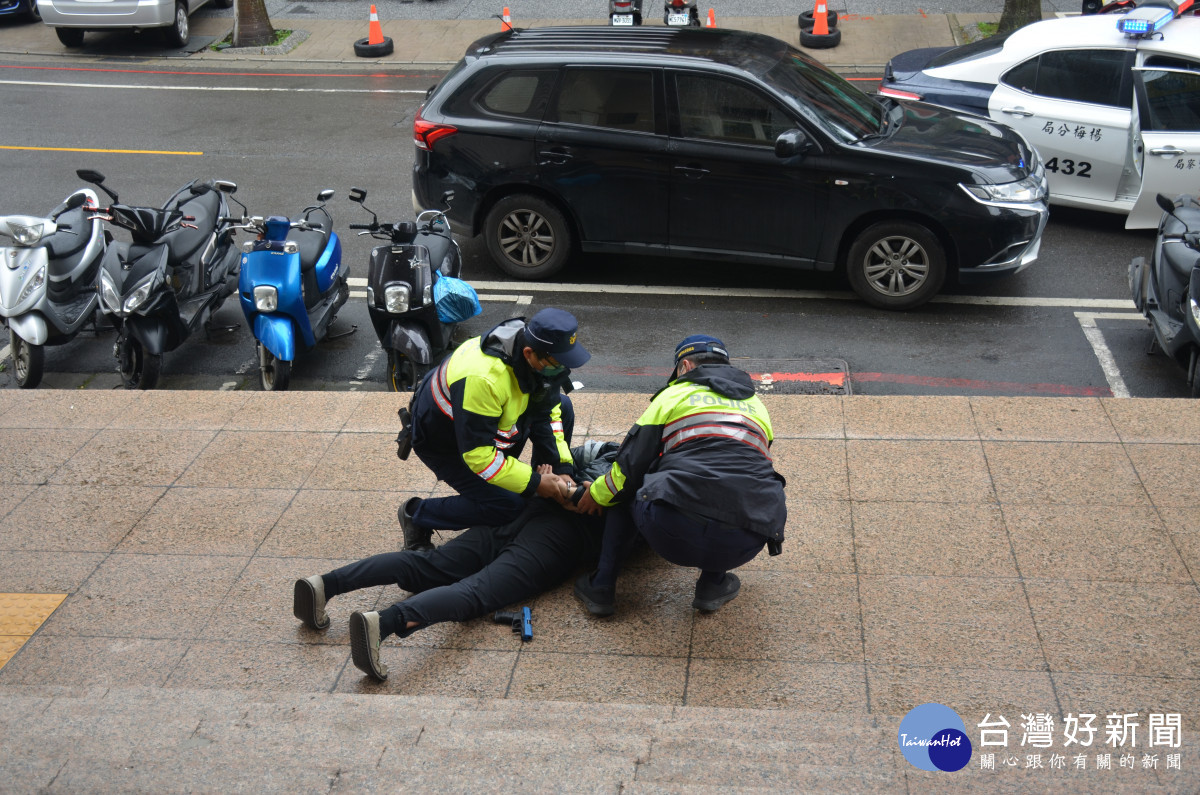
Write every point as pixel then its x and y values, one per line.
pixel 325 195
pixel 447 197
pixel 1166 204
pixel 225 186
pixel 88 175
pixel 358 195
pixel 76 201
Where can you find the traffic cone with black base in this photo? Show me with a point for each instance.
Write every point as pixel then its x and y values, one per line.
pixel 376 45
pixel 821 37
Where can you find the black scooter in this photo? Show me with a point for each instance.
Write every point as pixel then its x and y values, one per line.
pixel 1167 290
pixel 400 280
pixel 179 269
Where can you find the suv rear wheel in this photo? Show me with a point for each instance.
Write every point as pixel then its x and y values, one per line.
pixel 896 265
pixel 528 237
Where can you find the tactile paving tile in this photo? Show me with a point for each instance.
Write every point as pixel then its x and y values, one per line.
pixel 20 616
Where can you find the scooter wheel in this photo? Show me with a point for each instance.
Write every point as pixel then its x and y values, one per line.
pixel 139 370
pixel 274 373
pixel 403 374
pixel 27 361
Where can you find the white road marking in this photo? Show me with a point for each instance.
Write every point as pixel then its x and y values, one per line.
pixel 1112 374
pixel 229 386
pixel 368 364
pixel 246 366
pixel 5 352
pixel 277 89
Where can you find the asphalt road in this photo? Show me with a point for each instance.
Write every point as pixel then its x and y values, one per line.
pixel 1063 327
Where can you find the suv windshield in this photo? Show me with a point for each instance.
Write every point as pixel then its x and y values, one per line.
pixel 824 98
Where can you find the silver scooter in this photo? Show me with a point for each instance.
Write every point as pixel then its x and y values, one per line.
pixel 48 279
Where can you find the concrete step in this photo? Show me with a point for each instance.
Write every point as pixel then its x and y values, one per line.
pixel 59 739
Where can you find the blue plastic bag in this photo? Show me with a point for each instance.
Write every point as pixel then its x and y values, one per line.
pixel 455 300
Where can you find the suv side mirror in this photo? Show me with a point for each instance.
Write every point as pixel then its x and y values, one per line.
pixel 791 143
pixel 358 195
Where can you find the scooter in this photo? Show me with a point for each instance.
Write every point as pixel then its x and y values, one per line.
pixel 179 269
pixel 623 13
pixel 681 13
pixel 400 283
pixel 48 282
pixel 292 284
pixel 1167 290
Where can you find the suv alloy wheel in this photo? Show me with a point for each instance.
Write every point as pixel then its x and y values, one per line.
pixel 527 236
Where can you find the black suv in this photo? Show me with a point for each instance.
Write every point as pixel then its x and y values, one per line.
pixel 714 143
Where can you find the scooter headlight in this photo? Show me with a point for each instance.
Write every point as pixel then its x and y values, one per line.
pixel 140 293
pixel 26 234
pixel 38 279
pixel 395 298
pixel 1195 307
pixel 108 292
pixel 266 298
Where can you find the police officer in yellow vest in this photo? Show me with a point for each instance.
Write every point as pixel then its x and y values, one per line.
pixel 694 477
pixel 473 414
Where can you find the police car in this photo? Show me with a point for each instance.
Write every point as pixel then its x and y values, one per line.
pixel 1110 101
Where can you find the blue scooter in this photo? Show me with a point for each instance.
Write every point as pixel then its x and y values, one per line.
pixel 292 284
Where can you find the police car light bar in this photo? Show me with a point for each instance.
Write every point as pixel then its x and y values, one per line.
pixel 1142 23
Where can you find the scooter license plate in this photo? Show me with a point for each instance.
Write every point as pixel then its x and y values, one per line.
pixel 679 19
pixel 622 19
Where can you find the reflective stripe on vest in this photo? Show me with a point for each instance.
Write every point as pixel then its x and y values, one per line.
pixel 492 469
pixel 441 390
pixel 712 423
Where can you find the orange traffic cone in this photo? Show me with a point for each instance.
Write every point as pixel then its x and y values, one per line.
pixel 375 45
pixel 505 21
pixel 712 19
pixel 374 30
pixel 821 19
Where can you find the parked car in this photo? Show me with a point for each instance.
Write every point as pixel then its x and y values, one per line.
pixel 715 143
pixel 72 18
pixel 1115 115
pixel 20 9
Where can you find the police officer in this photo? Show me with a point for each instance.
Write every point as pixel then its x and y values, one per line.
pixel 694 476
pixel 473 414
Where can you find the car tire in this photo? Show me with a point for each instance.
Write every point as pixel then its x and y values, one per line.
pixel 28 361
pixel 527 236
pixel 814 41
pixel 179 33
pixel 807 20
pixel 364 49
pixel 896 265
pixel 70 37
pixel 223 3
pixel 33 14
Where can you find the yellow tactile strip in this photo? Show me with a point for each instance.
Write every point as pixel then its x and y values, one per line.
pixel 20 616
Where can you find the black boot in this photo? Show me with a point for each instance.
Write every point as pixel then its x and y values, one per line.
pixel 416 539
pixel 599 601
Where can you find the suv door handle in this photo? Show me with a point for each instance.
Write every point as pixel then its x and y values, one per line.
pixel 557 156
pixel 1016 111
pixel 693 171
pixel 1168 150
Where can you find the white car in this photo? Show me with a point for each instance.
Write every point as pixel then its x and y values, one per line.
pixel 1114 114
pixel 71 18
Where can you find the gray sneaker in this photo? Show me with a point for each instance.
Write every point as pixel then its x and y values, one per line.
pixel 416 539
pixel 308 602
pixel 364 644
pixel 710 597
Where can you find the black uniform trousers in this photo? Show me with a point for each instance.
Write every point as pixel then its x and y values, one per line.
pixel 480 570
pixel 477 502
pixel 680 537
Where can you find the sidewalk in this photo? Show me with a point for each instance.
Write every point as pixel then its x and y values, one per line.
pixel 867 41
pixel 1002 556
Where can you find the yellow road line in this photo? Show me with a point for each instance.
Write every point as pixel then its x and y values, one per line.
pixel 101 151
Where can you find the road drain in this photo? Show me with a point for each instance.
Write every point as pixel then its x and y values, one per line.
pixel 798 376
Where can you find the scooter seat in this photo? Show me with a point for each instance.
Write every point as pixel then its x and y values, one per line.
pixel 311 242
pixel 184 241
pixel 66 242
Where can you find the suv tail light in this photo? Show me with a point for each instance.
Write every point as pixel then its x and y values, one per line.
pixel 427 133
pixel 896 93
